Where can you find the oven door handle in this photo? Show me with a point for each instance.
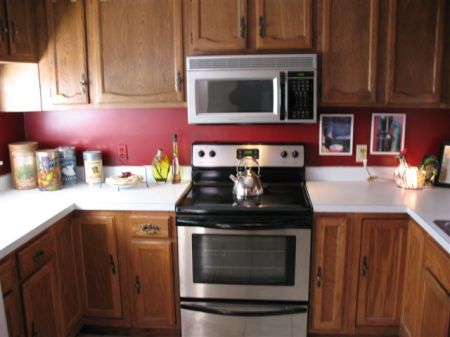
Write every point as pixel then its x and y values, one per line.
pixel 233 309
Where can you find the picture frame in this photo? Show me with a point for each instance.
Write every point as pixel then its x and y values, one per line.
pixel 387 134
pixel 336 135
pixel 443 178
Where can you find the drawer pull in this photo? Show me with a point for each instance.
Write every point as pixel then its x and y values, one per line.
pixel 112 264
pixel 38 256
pixel 150 229
pixel 137 285
pixel 365 266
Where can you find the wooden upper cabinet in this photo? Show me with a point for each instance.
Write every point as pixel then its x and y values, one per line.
pixel 135 52
pixel 383 247
pixel 414 51
pixel 4 38
pixel 329 270
pixel 63 66
pixel 349 51
pixel 283 24
pixel 218 25
pixel 99 265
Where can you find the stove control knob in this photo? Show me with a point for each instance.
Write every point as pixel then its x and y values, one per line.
pixel 212 153
pixel 284 154
pixel 201 153
pixel 295 154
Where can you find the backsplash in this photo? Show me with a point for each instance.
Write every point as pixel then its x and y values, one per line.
pixel 144 130
pixel 11 130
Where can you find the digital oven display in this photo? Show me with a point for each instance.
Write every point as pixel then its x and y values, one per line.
pixel 241 153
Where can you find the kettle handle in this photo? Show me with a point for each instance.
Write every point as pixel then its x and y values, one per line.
pixel 245 167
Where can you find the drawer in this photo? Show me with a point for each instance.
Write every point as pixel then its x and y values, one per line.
pixel 437 261
pixel 149 226
pixel 35 255
pixel 8 275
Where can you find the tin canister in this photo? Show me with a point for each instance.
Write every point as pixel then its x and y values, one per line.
pixel 49 171
pixel 23 164
pixel 68 163
pixel 93 167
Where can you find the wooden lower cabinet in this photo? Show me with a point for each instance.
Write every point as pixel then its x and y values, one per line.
pixel 99 270
pixel 13 313
pixel 41 303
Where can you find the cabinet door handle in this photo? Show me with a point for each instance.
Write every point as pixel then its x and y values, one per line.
pixel 33 330
pixel 3 30
pixel 137 285
pixel 319 277
pixel 84 83
pixel 242 27
pixel 39 255
pixel 14 31
pixel 262 26
pixel 149 228
pixel 365 266
pixel 178 82
pixel 112 264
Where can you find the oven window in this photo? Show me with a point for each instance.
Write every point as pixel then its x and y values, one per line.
pixel 238 95
pixel 243 259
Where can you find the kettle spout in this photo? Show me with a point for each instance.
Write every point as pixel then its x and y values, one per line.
pixel 233 178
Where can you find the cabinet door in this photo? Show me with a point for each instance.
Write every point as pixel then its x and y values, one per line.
pixel 22 29
pixel 152 283
pixel 218 25
pixel 63 69
pixel 329 268
pixel 13 312
pixel 40 303
pixel 414 51
pixel 4 38
pixel 135 52
pixel 283 24
pixel 383 246
pixel 67 275
pixel 100 272
pixel 436 308
pixel 349 45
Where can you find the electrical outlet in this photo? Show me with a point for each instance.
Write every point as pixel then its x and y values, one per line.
pixel 122 153
pixel 361 152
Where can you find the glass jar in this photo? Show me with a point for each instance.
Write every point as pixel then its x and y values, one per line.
pixel 23 164
pixel 68 163
pixel 93 167
pixel 160 166
pixel 48 170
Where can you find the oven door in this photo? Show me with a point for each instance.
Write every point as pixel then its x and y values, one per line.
pixel 234 97
pixel 244 264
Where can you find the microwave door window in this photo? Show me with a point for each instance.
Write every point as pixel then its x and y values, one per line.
pixel 235 96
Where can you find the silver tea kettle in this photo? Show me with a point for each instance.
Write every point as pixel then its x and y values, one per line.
pixel 246 183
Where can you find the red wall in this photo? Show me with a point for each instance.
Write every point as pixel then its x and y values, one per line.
pixel 11 130
pixel 143 131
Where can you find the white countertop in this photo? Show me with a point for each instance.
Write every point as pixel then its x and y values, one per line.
pixel 383 196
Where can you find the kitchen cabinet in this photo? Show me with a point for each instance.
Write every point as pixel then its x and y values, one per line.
pixel 414 52
pixel 249 26
pixel 68 287
pixel 135 52
pixel 17 31
pixel 151 274
pixel 63 66
pixel 331 235
pixel 349 45
pixel 98 264
pixel 40 303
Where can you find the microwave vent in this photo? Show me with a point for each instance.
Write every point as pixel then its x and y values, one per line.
pixel 255 62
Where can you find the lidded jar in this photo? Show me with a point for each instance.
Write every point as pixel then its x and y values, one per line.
pixel 160 166
pixel 23 164
pixel 49 171
pixel 68 163
pixel 93 167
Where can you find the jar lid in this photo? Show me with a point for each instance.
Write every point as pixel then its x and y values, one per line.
pixel 92 155
pixel 67 151
pixel 53 153
pixel 23 146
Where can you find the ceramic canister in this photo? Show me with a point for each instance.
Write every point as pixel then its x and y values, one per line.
pixel 23 165
pixel 68 163
pixel 49 171
pixel 93 167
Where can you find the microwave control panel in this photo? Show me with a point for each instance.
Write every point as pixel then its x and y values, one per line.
pixel 300 95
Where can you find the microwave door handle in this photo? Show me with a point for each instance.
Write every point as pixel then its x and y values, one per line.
pixel 244 311
pixel 282 96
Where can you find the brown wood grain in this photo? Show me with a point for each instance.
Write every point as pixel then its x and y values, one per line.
pixel 8 274
pixel 216 25
pixel 414 51
pixel 349 51
pixel 383 246
pixel 36 254
pixel 287 24
pixel 438 262
pixel 135 56
pixel 13 313
pixel 4 39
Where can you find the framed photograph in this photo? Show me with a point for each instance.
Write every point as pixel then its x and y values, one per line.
pixel 443 178
pixel 387 136
pixel 336 135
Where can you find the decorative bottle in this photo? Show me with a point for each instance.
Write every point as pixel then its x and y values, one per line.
pixel 176 176
pixel 160 166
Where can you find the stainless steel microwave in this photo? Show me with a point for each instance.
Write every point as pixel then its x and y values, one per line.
pixel 252 89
